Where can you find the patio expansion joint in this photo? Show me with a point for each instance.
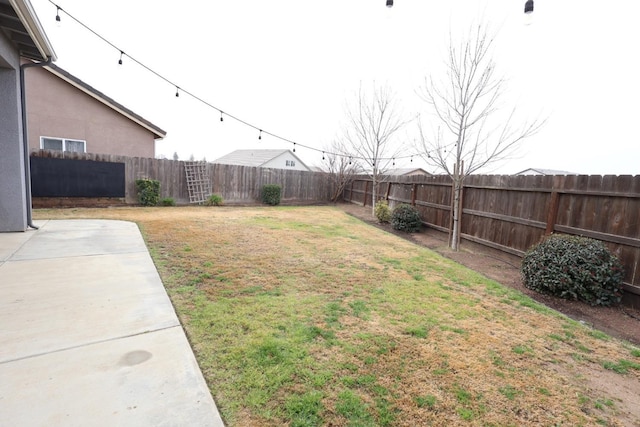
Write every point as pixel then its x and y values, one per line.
pixel 10 259
pixel 88 344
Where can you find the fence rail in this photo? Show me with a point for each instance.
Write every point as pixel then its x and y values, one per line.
pixel 512 213
pixel 236 184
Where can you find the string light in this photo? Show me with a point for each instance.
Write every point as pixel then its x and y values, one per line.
pixel 180 89
pixel 294 147
pixel 528 6
pixel 394 162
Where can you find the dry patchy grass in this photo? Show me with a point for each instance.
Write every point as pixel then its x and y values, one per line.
pixel 306 316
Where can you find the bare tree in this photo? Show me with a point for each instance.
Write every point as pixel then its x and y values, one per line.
pixel 473 129
pixel 371 133
pixel 340 167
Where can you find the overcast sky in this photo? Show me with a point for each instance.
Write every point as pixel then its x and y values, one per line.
pixel 290 67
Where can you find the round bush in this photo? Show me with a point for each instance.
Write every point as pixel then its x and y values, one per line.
pixel 271 194
pixel 406 218
pixel 214 200
pixel 573 267
pixel 382 211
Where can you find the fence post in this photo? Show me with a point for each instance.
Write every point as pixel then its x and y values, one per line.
pixel 386 197
pixel 366 189
pixel 460 208
pixel 553 213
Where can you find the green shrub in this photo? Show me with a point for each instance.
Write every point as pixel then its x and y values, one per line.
pixel 271 194
pixel 406 218
pixel 168 201
pixel 382 211
pixel 148 191
pixel 574 267
pixel 214 200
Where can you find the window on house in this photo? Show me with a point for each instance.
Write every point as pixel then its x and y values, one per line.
pixel 62 144
pixel 291 163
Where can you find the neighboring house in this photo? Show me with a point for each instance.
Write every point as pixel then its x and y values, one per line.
pixel 66 114
pixel 539 171
pixel 21 36
pixel 276 159
pixel 407 172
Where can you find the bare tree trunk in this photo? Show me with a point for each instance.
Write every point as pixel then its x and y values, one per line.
pixel 454 234
pixel 458 176
pixel 373 196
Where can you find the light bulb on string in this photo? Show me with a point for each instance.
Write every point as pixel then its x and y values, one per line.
pixel 120 60
pixel 294 147
pixel 412 158
pixel 349 159
pixel 221 118
pixel 323 155
pixel 394 162
pixel 260 134
pixel 177 91
pixel 58 16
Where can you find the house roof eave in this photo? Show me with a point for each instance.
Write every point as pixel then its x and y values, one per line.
pixel 27 15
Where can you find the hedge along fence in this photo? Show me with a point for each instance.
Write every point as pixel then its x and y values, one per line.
pixel 512 213
pixel 236 184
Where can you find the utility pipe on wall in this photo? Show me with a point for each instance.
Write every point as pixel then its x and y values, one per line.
pixel 25 139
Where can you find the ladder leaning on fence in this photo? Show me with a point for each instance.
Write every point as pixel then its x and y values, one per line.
pixel 198 182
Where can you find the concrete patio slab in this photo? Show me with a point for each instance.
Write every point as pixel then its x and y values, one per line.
pixel 93 238
pixel 88 335
pixel 145 380
pixel 11 242
pixel 67 302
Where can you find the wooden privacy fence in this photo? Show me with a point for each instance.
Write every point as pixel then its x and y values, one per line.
pixel 236 184
pixel 512 213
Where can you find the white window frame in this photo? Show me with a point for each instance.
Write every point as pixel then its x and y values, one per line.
pixel 64 142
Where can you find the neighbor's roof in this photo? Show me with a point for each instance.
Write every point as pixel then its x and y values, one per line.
pixel 405 171
pixel 19 22
pixel 540 171
pixel 101 97
pixel 255 158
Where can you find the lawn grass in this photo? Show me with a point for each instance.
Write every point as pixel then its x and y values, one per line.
pixel 304 316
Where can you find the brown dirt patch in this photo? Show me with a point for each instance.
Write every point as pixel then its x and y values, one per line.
pixel 620 322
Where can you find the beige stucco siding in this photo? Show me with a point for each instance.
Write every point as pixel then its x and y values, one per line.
pixel 58 109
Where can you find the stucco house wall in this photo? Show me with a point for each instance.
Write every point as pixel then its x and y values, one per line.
pixel 57 109
pixel 264 158
pixel 286 160
pixel 13 215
